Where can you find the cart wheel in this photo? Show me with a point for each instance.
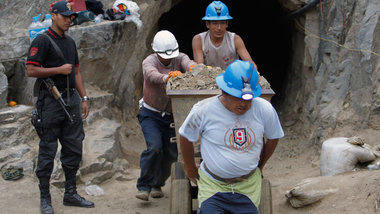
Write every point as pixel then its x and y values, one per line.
pixel 180 195
pixel 266 198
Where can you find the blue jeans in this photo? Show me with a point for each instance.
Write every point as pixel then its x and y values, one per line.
pixel 156 160
pixel 228 203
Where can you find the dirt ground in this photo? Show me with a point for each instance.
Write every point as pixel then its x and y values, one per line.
pixel 295 159
pixel 291 162
pixel 22 197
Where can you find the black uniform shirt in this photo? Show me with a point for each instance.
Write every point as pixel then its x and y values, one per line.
pixel 42 53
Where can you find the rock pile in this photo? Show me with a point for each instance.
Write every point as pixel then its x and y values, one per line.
pixel 102 152
pixel 202 77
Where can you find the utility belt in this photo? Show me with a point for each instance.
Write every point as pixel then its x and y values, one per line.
pixel 229 180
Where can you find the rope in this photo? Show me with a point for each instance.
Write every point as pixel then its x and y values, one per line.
pixel 334 42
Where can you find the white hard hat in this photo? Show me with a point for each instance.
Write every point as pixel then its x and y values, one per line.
pixel 165 45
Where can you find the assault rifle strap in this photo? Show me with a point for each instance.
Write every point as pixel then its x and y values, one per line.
pixel 57 49
pixel 38 82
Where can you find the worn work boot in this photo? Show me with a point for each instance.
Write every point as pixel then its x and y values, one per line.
pixel 72 198
pixel 45 199
pixel 156 192
pixel 46 207
pixel 142 195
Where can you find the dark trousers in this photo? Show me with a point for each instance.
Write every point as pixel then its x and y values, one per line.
pixel 156 160
pixel 228 203
pixel 57 126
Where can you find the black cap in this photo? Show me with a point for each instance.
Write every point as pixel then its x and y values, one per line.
pixel 63 8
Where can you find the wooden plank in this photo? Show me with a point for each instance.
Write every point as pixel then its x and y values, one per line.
pixel 180 195
pixel 265 206
pixel 180 200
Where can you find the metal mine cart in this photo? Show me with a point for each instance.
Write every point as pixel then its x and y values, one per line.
pixel 183 193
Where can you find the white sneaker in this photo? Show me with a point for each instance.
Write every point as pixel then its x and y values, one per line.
pixel 156 192
pixel 143 195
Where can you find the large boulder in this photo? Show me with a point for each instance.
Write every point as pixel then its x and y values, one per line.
pixel 17 138
pixel 110 55
pixel 110 52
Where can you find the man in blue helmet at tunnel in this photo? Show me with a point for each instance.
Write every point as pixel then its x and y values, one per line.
pixel 217 46
pixel 232 127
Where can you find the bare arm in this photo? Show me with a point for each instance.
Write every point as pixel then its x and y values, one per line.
pixel 242 50
pixel 82 92
pixel 40 72
pixel 197 49
pixel 187 150
pixel 268 149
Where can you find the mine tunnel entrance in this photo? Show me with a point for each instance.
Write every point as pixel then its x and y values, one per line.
pixel 261 24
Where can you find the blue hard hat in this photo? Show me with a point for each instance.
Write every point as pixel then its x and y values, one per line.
pixel 216 11
pixel 238 76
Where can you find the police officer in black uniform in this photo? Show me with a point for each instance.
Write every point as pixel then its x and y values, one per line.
pixel 43 62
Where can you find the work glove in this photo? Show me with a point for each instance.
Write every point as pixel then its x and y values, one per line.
pixel 173 74
pixel 192 66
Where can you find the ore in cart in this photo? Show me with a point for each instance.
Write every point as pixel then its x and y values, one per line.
pixel 183 194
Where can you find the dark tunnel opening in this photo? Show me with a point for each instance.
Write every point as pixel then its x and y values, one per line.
pixel 263 25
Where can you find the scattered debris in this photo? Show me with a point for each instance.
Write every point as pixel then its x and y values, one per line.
pixel 310 190
pixel 94 190
pixel 12 173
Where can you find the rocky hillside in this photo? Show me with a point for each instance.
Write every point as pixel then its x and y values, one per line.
pixel 110 61
pixel 332 86
pixel 332 82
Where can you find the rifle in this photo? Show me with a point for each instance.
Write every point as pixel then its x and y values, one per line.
pixel 55 93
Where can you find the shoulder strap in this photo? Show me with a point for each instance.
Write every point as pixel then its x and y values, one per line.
pixel 60 54
pixel 57 49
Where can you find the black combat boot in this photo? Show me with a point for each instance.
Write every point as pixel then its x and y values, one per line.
pixel 45 205
pixel 72 198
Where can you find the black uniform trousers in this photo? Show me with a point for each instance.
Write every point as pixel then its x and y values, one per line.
pixel 56 125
